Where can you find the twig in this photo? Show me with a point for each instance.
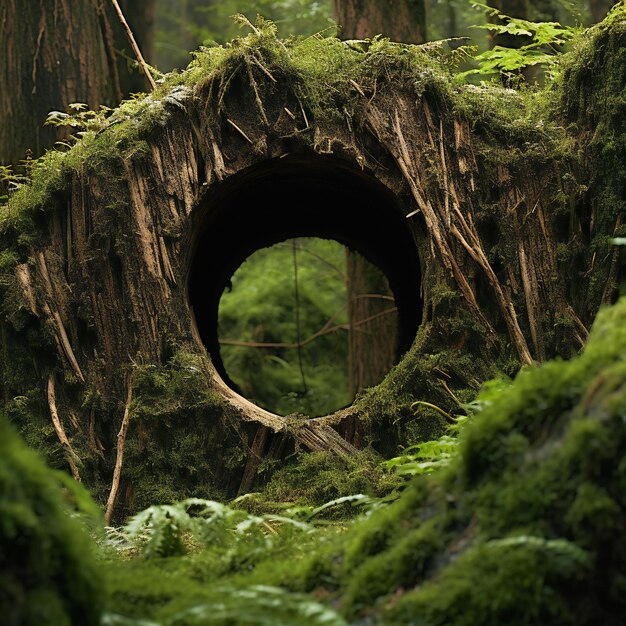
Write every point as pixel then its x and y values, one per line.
pixel 240 131
pixel 121 442
pixel 60 431
pixel 325 330
pixel 131 38
pixel 445 414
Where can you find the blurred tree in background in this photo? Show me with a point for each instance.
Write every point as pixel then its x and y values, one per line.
pixel 285 329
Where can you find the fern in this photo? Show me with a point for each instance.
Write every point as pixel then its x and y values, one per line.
pixel 257 605
pixel 546 41
pixel 173 529
pixel 431 456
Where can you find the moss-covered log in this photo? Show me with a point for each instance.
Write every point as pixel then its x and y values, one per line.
pixel 471 199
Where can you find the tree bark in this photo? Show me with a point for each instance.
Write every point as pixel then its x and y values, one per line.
pixel 403 20
pixel 373 324
pixel 53 53
pixel 58 52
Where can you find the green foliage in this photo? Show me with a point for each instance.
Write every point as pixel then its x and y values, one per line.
pixel 430 456
pixel 47 571
pixel 171 530
pixel 207 23
pixel 545 43
pixel 262 308
pixel 257 605
pixel 424 458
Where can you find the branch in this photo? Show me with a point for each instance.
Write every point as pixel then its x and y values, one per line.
pixel 325 330
pixel 131 38
pixel 60 431
pixel 121 442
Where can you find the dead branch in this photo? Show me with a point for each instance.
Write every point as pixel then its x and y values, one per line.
pixel 133 43
pixel 325 330
pixel 240 131
pixel 60 431
pixel 121 443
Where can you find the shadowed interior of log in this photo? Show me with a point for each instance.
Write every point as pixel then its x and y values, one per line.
pixel 300 197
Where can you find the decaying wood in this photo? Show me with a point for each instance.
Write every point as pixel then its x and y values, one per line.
pixel 111 275
pixel 119 459
pixel 70 455
pixel 255 457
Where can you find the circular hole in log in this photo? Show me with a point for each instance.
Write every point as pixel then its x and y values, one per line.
pixel 306 324
pixel 294 197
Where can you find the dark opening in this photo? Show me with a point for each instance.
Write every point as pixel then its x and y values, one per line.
pixel 300 197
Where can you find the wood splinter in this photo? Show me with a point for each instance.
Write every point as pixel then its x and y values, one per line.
pixel 60 431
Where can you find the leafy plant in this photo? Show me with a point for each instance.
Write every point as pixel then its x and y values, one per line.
pixel 545 42
pixel 173 529
pixel 256 605
pixel 430 456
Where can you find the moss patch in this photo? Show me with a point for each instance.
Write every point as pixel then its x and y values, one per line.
pixel 47 571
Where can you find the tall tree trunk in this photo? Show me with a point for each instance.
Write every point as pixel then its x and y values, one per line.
pixel 56 52
pixel 53 53
pixel 401 20
pixel 373 324
pixel 600 8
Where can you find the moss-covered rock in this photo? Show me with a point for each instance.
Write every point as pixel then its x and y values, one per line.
pixel 48 575
pixel 525 526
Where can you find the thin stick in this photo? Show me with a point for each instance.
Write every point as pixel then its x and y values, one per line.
pixel 131 38
pixel 121 442
pixel 297 296
pixel 325 330
pixel 240 131
pixel 60 431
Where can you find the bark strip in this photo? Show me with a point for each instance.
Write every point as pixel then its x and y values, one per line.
pixel 70 455
pixel 119 460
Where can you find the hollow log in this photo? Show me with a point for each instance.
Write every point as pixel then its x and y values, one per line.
pixel 123 246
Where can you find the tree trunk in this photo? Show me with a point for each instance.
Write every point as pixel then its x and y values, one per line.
pixel 373 337
pixel 600 8
pixel 59 52
pixel 404 20
pixel 373 324
pixel 52 54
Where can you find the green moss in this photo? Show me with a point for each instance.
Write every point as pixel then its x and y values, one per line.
pixel 47 571
pixel 312 479
pixel 181 439
pixel 524 527
pixel 497 584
